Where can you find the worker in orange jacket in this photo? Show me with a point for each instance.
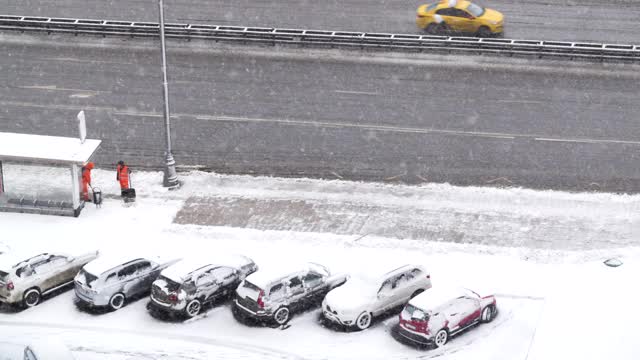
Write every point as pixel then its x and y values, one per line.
pixel 86 180
pixel 122 175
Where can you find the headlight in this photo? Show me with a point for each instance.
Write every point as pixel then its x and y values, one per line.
pixel 494 22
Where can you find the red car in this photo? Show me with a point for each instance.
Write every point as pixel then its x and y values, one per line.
pixel 433 316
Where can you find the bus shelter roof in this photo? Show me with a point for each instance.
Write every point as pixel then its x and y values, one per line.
pixel 42 149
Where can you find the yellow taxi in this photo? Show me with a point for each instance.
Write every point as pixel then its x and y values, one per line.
pixel 460 16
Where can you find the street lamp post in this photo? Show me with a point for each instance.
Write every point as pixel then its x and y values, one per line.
pixel 170 176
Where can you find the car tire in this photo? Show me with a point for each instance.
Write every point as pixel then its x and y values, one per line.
pixel 117 301
pixel 484 32
pixel 193 308
pixel 441 338
pixel 364 321
pixel 281 316
pixel 488 314
pixel 443 29
pixel 31 298
pixel 431 29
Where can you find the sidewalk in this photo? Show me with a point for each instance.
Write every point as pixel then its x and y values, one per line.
pixel 435 212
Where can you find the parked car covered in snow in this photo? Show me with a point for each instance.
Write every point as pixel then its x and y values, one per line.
pixel 183 288
pixel 357 302
pixel 110 281
pixel 271 294
pixel 25 279
pixel 49 350
pixel 435 315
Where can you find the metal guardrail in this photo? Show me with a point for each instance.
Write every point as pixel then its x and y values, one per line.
pixel 330 39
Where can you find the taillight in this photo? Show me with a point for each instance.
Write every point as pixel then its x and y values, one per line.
pixel 260 302
pixel 173 298
pixel 10 285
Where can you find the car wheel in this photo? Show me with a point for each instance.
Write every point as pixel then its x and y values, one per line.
pixel 484 31
pixel 31 297
pixel 443 28
pixel 193 308
pixel 281 316
pixel 431 29
pixel 488 314
pixel 117 301
pixel 441 338
pixel 363 321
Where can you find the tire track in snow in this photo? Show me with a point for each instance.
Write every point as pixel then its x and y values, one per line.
pixel 480 331
pixel 266 352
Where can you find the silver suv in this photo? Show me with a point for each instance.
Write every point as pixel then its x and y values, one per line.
pixel 111 281
pixel 24 280
pixel 275 295
pixel 183 288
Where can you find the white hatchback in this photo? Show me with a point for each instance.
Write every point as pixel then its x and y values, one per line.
pixel 355 303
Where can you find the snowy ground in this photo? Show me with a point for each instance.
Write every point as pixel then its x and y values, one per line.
pixel 541 252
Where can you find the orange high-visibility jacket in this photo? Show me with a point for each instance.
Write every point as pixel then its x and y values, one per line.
pixel 122 175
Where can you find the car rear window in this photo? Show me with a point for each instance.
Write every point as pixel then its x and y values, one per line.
pixel 249 285
pixel 412 312
pixel 432 6
pixel 88 277
pixel 249 290
pixel 172 286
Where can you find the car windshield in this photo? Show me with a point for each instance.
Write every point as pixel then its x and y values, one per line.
pixel 475 10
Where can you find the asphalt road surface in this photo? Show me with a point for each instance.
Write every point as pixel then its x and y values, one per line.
pixel 334 114
pixel 613 21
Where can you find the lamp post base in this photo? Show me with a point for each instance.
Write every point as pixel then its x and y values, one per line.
pixel 170 175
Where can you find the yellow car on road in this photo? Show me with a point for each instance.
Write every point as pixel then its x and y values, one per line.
pixel 460 16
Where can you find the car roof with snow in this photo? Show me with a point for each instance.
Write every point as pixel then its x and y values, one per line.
pixel 11 259
pixel 402 268
pixel 438 296
pixel 106 263
pixel 367 281
pixel 266 276
pixel 180 271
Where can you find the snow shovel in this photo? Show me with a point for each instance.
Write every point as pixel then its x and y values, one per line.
pixel 129 195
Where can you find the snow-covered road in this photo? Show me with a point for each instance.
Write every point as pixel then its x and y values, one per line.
pixel 557 300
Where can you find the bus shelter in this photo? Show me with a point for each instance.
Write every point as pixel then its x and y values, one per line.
pixel 54 151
